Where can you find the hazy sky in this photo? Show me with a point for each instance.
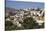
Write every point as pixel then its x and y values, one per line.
pixel 19 4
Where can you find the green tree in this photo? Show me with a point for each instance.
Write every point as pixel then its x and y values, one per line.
pixel 29 23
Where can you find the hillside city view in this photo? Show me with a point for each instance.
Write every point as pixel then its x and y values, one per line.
pixel 21 15
pixel 24 18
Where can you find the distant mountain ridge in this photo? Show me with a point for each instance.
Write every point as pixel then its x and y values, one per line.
pixel 8 9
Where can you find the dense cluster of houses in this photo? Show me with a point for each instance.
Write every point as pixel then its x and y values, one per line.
pixel 20 14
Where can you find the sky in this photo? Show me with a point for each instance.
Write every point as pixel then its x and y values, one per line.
pixel 22 4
